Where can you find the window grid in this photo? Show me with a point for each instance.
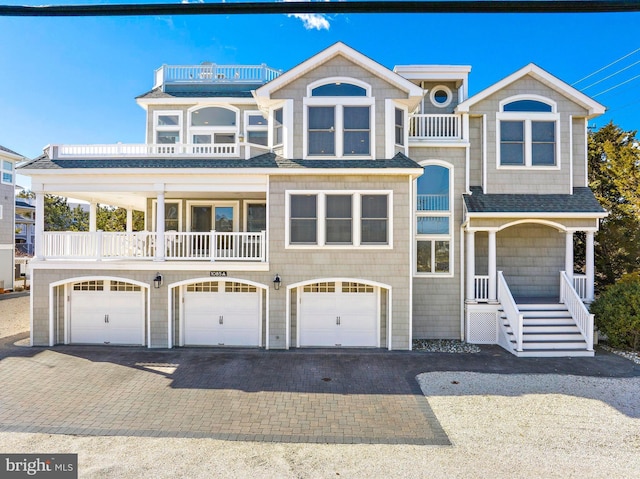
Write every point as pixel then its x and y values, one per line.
pixel 234 287
pixel 350 287
pixel 328 287
pixel 95 285
pixel 205 287
pixel 122 286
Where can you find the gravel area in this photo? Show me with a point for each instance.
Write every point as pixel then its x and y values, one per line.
pixel 444 346
pixel 500 426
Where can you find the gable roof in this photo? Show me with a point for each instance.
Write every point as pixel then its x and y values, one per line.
pixel 339 49
pixel 581 201
pixel 593 107
pixel 7 153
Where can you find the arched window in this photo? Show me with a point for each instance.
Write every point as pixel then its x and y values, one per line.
pixel 339 89
pixel 528 133
pixel 433 220
pixel 213 125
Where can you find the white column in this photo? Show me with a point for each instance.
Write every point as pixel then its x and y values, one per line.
pixel 129 220
pixel 93 216
pixel 39 236
pixel 493 296
pixel 160 227
pixel 590 269
pixel 471 266
pixel 568 254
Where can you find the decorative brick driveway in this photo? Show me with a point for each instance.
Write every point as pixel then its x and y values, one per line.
pixel 323 396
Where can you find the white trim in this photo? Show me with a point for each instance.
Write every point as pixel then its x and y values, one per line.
pixel 338 79
pixel 157 128
pixel 390 144
pixel 594 108
pixel 8 246
pixel 212 130
pixel 586 152
pixel 412 260
pixel 11 171
pixel 356 218
pixel 245 212
pixel 571 155
pixel 153 266
pixel 432 96
pixel 484 153
pixel 288 129
pixel 534 215
pixel 252 128
pixel 213 204
pixel 529 96
pixel 145 103
pixel 154 204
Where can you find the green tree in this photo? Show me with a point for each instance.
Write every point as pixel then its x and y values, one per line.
pixel 109 218
pixel 614 177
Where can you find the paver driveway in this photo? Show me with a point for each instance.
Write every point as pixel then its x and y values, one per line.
pixel 327 396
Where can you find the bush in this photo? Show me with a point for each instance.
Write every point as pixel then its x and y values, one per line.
pixel 617 312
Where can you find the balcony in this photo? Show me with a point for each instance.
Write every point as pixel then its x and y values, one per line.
pixel 142 150
pixel 143 245
pixel 429 127
pixel 212 74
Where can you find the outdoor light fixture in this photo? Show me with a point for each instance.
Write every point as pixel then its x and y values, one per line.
pixel 157 281
pixel 276 282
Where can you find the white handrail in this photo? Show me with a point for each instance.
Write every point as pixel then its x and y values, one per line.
pixel 579 312
pixel 510 308
pixel 481 288
pixel 580 285
pixel 435 126
pixel 215 246
pixel 145 150
pixel 213 73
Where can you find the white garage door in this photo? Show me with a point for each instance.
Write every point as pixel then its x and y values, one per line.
pixel 339 314
pixel 107 312
pixel 221 313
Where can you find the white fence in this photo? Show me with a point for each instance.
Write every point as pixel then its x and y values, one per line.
pixel 435 127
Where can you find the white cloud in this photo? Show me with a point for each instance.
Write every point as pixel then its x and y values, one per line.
pixel 312 21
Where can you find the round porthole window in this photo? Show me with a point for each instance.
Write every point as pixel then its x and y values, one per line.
pixel 441 96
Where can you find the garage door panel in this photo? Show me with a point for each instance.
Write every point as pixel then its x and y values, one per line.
pixel 87 322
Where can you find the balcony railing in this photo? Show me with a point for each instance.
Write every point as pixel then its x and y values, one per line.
pixel 122 150
pixel 142 245
pixel 435 127
pixel 210 73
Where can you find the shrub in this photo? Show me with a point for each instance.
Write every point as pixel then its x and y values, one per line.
pixel 617 312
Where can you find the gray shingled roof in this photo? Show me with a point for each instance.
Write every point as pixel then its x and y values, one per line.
pixel 3 148
pixel 195 93
pixel 267 160
pixel 581 201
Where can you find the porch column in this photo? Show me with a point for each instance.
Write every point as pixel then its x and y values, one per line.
pixel 93 216
pixel 129 220
pixel 493 296
pixel 568 254
pixel 589 266
pixel 471 266
pixel 160 227
pixel 39 226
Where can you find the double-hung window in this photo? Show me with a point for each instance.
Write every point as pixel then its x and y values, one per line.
pixel 339 120
pixel 7 172
pixel 278 118
pixel 433 221
pixel 399 126
pixel 339 219
pixel 256 128
pixel 528 134
pixel 167 127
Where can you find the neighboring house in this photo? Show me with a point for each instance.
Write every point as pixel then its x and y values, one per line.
pixel 8 160
pixel 338 204
pixel 25 227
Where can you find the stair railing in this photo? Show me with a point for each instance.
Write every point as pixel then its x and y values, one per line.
pixel 579 312
pixel 510 308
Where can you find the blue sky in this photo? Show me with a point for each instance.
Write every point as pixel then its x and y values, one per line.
pixel 74 80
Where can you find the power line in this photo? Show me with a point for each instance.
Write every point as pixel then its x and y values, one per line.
pixel 612 75
pixel 605 67
pixel 446 6
pixel 616 86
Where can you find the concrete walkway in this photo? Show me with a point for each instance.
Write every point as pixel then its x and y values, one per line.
pixel 328 396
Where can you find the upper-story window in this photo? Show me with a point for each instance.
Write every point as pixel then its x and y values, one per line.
pixel 399 126
pixel 434 221
pixel 528 133
pixel 441 96
pixel 256 128
pixel 213 125
pixel 7 172
pixel 277 127
pixel 339 119
pixel 168 127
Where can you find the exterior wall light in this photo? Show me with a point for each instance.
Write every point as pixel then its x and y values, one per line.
pixel 277 282
pixel 157 281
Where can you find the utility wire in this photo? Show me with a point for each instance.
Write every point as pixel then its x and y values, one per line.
pixel 435 6
pixel 616 86
pixel 605 67
pixel 612 75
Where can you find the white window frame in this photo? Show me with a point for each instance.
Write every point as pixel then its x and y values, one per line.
pixel 248 128
pixel 432 96
pixel 435 237
pixel 356 196
pixel 245 212
pixel 0 212
pixel 214 204
pixel 527 117
pixel 157 128
pixel 154 209
pixel 338 102
pixel 11 171
pixel 212 130
pixel 273 127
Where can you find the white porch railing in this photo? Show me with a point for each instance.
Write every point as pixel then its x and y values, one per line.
pixel 579 312
pixel 510 308
pixel 435 127
pixel 215 246
pixel 580 285
pixel 432 203
pixel 144 150
pixel 482 288
pixel 141 245
pixel 209 73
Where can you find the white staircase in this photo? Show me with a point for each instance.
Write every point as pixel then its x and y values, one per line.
pixel 548 331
